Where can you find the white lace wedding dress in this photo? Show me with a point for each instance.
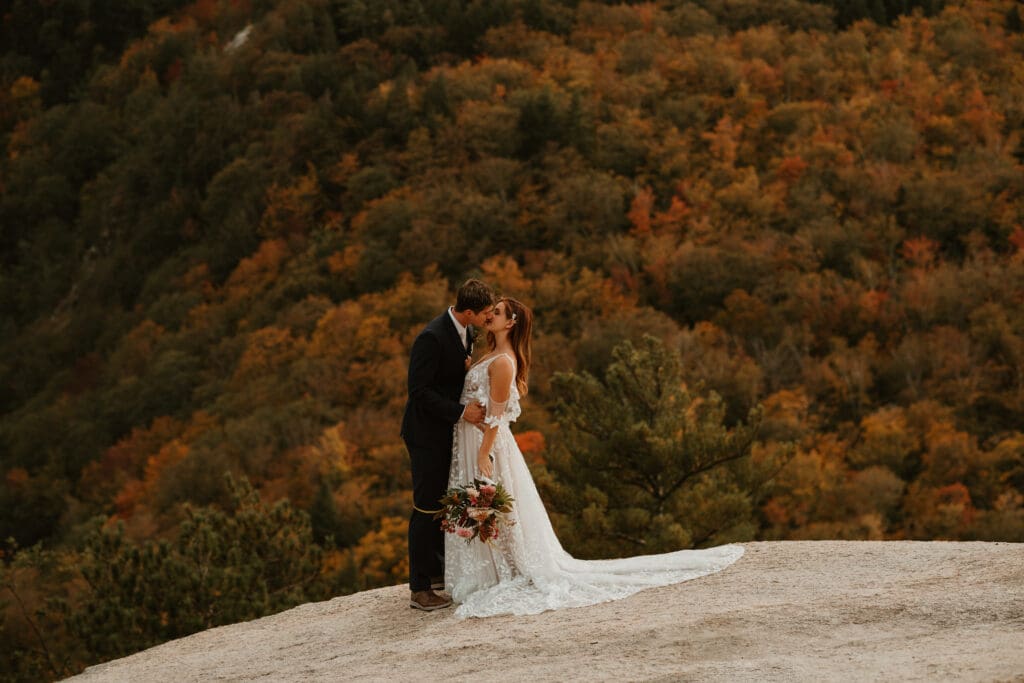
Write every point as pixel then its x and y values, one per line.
pixel 526 571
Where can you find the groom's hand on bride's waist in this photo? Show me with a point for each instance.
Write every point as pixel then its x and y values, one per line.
pixel 474 413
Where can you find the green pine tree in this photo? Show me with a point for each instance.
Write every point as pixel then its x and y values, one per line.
pixel 644 465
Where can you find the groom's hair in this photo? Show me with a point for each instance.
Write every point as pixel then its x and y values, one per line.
pixel 474 296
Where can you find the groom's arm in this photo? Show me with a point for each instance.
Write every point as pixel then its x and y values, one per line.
pixel 423 363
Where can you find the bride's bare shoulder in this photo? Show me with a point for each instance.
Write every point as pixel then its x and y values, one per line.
pixel 501 367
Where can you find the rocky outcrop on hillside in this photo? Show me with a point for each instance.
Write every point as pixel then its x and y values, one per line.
pixel 824 610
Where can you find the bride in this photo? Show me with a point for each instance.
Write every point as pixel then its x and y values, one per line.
pixel 525 570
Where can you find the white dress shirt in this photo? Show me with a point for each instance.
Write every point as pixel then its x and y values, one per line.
pixel 459 327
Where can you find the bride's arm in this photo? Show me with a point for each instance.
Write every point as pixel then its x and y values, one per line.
pixel 501 374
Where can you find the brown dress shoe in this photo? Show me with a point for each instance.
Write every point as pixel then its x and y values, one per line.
pixel 428 601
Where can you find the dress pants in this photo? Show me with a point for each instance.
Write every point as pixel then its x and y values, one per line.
pixel 426 540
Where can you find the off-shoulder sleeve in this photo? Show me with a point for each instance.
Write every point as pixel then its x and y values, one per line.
pixel 498 412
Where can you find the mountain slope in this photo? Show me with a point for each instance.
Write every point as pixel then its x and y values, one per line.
pixel 825 610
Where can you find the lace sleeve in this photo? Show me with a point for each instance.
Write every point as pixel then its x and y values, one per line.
pixel 496 415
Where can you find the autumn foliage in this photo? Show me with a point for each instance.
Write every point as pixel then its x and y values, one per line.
pixel 225 222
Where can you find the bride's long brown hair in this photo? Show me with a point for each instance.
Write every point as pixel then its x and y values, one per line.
pixel 520 336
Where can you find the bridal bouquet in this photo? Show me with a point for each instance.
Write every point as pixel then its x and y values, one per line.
pixel 476 510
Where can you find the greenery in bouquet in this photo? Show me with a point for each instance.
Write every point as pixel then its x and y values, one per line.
pixel 476 510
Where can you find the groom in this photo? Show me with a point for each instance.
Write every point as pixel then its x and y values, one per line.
pixel 437 368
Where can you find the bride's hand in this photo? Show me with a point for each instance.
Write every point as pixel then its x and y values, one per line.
pixel 484 464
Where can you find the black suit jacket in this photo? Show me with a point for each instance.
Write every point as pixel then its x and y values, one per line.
pixel 437 369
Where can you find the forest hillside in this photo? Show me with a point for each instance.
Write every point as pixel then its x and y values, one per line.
pixel 774 249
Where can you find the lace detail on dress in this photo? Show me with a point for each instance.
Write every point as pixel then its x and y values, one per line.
pixel 496 413
pixel 526 571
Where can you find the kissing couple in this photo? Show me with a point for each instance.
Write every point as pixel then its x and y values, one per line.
pixel 456 428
